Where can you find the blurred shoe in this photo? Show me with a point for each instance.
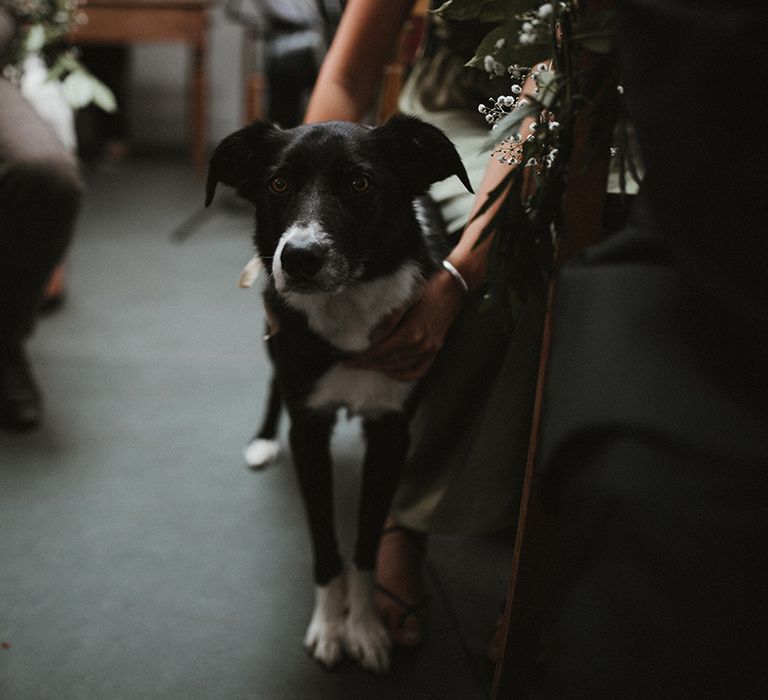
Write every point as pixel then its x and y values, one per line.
pixel 113 155
pixel 115 151
pixel 54 295
pixel 52 303
pixel 20 402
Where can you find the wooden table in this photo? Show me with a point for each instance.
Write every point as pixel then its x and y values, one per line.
pixel 151 21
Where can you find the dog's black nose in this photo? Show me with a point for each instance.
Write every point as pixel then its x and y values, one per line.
pixel 302 257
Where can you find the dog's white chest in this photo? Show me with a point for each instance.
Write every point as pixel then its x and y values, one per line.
pixel 346 319
pixel 361 391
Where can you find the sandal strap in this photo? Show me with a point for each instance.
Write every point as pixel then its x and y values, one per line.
pixel 408 608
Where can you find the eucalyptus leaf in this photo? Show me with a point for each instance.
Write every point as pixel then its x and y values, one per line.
pixel 103 97
pixel 496 192
pixel 597 43
pixel 35 39
pixel 549 87
pixel 483 10
pixel 508 52
pixel 78 89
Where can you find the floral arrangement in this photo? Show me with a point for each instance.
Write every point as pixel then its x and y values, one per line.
pixel 45 25
pixel 544 43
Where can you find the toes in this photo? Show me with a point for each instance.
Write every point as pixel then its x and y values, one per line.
pixel 326 649
pixel 327 652
pixel 369 644
pixel 409 633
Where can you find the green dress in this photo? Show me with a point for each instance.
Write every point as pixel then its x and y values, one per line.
pixel 471 427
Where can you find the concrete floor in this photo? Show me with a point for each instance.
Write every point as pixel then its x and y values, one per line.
pixel 139 558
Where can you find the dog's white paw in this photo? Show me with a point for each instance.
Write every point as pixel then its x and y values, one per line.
pixel 324 639
pixel 365 637
pixel 366 640
pixel 259 452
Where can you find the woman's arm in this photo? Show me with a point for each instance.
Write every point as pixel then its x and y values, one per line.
pixel 407 342
pixel 352 70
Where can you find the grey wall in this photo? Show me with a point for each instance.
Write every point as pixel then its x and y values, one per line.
pixel 158 103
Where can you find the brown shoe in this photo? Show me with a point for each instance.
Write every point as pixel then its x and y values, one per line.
pixel 20 402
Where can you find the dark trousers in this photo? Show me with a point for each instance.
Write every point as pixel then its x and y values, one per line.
pixel 655 467
pixel 40 191
pixel 654 444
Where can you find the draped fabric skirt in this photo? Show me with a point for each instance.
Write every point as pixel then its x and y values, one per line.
pixel 472 423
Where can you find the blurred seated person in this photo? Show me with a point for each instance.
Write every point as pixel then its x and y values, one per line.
pixel 40 191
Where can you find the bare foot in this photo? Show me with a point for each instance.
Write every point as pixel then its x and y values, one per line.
pixel 400 596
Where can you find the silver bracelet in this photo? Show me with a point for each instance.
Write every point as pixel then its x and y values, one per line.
pixel 456 275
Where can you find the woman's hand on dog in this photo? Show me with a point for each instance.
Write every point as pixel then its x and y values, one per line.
pixel 404 345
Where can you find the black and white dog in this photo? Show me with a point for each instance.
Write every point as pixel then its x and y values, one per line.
pixel 338 233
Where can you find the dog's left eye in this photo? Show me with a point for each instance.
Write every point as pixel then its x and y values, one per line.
pixel 278 185
pixel 361 183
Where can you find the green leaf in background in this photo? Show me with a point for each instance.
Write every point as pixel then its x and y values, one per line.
pixel 77 89
pixel 499 44
pixel 548 85
pixel 483 10
pixel 103 97
pixel 35 39
pixel 597 33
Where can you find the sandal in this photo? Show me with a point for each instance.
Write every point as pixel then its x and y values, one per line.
pixel 404 622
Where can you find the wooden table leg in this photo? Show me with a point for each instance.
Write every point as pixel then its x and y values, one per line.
pixel 199 108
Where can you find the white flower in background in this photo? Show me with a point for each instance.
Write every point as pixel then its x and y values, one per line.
pixel 43 51
pixel 47 98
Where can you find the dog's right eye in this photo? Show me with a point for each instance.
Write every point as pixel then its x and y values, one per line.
pixel 278 185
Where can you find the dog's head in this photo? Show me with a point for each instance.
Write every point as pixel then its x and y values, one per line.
pixel 334 201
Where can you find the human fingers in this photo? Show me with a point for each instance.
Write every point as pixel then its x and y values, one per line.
pixel 412 372
pixel 388 324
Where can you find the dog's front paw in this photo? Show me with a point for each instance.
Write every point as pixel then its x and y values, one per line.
pixel 260 452
pixel 366 640
pixel 324 639
pixel 365 637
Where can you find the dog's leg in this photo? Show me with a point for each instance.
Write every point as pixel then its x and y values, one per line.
pixel 264 446
pixel 365 637
pixel 310 443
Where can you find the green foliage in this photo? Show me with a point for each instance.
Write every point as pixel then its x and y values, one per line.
pixel 498 45
pixel 45 25
pixel 527 221
pixel 483 10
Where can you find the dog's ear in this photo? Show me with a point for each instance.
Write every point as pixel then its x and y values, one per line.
pixel 240 157
pixel 420 153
